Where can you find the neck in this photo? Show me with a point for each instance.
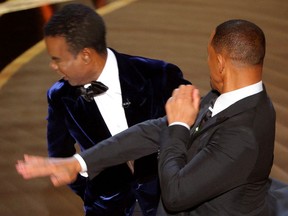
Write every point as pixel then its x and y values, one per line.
pixel 237 79
pixel 98 64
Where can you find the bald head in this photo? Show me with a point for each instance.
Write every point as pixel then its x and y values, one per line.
pixel 241 40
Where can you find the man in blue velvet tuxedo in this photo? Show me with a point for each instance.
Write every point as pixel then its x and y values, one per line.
pixel 133 89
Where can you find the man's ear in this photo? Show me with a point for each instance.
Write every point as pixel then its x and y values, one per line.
pixel 221 63
pixel 86 55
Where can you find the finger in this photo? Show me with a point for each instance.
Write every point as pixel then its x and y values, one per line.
pixel 55 181
pixel 21 169
pixel 31 169
pixel 32 158
pixel 196 98
pixel 185 90
pixel 174 92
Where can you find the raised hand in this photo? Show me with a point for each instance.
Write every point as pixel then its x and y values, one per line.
pixel 183 106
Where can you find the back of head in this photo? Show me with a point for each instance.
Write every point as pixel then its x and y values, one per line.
pixel 81 27
pixel 242 41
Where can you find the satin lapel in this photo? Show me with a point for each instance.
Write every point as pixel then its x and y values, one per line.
pixel 86 116
pixel 72 101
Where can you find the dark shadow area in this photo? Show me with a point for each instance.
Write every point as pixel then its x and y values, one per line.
pixel 22 29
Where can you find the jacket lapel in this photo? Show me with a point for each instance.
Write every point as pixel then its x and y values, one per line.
pixel 235 109
pixel 136 91
pixel 85 115
pixel 199 118
pixel 205 103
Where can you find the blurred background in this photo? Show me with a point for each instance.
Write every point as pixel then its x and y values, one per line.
pixel 21 24
pixel 176 31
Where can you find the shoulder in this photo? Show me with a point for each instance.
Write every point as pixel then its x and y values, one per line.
pixel 58 89
pixel 145 63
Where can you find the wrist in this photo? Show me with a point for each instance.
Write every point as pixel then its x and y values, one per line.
pixel 180 123
pixel 80 165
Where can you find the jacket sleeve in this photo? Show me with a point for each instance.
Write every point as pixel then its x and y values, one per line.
pixel 60 142
pixel 135 142
pixel 171 79
pixel 216 168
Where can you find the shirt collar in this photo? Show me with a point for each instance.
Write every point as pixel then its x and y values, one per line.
pixel 110 73
pixel 227 99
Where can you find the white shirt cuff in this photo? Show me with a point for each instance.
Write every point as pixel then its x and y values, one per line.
pixel 180 123
pixel 82 164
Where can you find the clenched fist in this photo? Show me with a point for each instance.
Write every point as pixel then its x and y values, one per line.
pixel 183 106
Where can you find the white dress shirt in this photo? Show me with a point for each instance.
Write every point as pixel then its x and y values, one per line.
pixel 227 99
pixel 109 103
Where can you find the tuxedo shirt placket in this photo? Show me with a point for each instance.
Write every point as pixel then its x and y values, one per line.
pixel 116 120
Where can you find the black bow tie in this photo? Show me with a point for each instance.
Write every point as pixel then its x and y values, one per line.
pixel 93 90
